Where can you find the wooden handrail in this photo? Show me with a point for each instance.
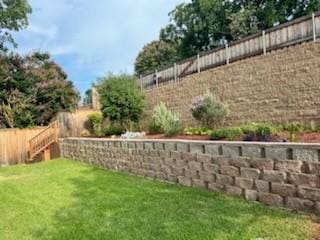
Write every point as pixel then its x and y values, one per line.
pixel 43 140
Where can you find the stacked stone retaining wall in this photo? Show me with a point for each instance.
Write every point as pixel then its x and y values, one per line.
pixel 276 174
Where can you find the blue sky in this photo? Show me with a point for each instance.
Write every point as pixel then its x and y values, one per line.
pixel 91 38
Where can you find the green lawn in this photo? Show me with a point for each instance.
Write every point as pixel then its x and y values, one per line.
pixel 63 199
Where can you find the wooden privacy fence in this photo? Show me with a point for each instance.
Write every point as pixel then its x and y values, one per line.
pixel 72 124
pixel 14 145
pixel 297 31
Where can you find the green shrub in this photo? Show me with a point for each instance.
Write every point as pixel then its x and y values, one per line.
pixel 154 129
pixel 293 128
pixel 113 130
pixel 265 130
pixel 165 121
pixel 96 120
pixel 226 133
pixel 209 110
pixel 173 125
pixel 259 129
pixel 121 100
pixel 85 133
pixel 197 131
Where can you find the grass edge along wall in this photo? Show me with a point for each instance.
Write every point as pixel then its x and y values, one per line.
pixel 276 174
pixel 282 86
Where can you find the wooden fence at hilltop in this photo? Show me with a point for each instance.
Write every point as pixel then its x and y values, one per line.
pixel 14 145
pixel 297 31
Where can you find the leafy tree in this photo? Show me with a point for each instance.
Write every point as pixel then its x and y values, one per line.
pixel 87 100
pixel 32 90
pixel 243 23
pixel 200 25
pixel 54 91
pixel 271 12
pixel 155 55
pixel 13 17
pixel 122 101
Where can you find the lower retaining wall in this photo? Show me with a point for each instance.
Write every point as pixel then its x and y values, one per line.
pixel 277 174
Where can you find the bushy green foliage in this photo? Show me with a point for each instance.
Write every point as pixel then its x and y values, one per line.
pixel 96 120
pixel 33 89
pixel 154 129
pixel 121 99
pixel 203 131
pixel 209 110
pixel 155 55
pixel 85 133
pixel 259 128
pixel 293 128
pixel 113 130
pixel 13 17
pixel 166 121
pixel 231 133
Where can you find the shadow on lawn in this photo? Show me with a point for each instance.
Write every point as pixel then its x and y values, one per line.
pixel 116 206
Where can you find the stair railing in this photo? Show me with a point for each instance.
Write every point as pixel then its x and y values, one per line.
pixel 43 140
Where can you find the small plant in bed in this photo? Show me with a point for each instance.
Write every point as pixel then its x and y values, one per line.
pixel 261 132
pixel 166 121
pixel 230 134
pixel 209 110
pixel 202 131
pixel 113 130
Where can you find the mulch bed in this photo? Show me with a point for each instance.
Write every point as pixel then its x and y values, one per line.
pixel 280 137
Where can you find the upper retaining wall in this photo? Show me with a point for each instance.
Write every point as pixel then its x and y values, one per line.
pixel 283 85
pixel 277 174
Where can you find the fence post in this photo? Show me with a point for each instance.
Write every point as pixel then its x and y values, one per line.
pixel 198 63
pixel 314 29
pixel 157 80
pixel 175 72
pixel 264 44
pixel 227 54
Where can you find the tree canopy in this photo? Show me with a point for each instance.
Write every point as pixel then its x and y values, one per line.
pixel 13 17
pixel 204 24
pixel 33 89
pixel 121 99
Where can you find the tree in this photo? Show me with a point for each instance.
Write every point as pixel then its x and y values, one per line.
pixel 155 55
pixel 13 17
pixel 33 89
pixel 87 100
pixel 122 101
pixel 55 92
pixel 201 25
pixel 243 23
pixel 271 12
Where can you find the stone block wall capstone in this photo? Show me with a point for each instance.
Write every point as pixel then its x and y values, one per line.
pixel 276 174
pixel 282 86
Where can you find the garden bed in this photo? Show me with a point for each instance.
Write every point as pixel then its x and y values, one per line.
pixel 312 137
pixel 63 199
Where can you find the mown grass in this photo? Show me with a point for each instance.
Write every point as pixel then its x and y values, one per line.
pixel 62 199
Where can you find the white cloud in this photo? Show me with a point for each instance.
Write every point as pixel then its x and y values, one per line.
pixel 97 36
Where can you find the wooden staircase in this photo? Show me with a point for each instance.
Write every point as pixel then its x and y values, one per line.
pixel 41 142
